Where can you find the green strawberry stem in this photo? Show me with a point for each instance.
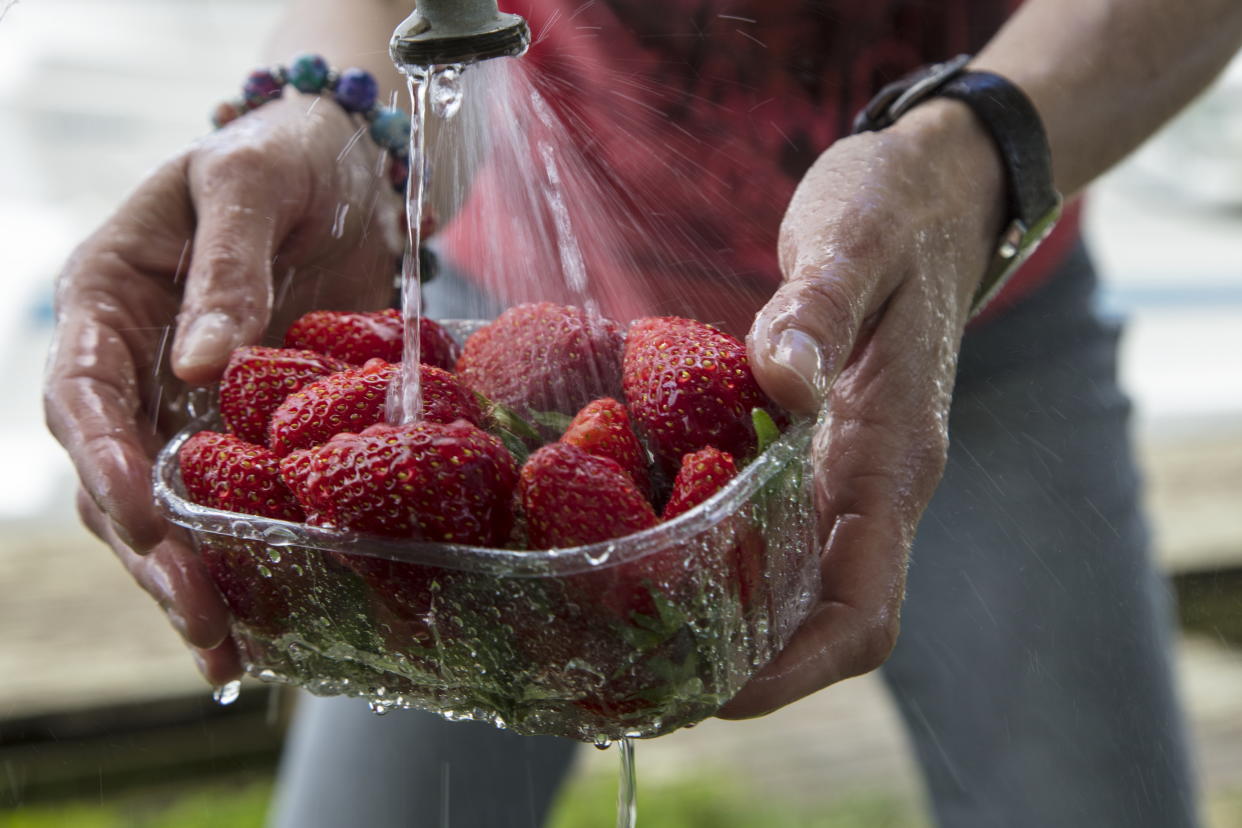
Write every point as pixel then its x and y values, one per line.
pixel 766 432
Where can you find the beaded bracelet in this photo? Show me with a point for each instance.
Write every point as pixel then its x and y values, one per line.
pixel 355 90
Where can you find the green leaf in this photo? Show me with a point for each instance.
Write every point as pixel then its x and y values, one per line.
pixel 552 420
pixel 509 420
pixel 766 432
pixel 515 445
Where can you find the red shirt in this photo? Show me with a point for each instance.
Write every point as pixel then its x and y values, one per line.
pixel 689 124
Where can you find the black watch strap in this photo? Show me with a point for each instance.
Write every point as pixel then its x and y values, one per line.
pixel 1015 126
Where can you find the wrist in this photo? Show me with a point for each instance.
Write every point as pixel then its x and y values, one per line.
pixel 964 161
pixel 965 173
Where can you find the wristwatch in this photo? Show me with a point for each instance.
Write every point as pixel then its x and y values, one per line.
pixel 1015 126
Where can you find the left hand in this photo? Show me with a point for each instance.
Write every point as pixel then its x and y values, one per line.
pixel 882 248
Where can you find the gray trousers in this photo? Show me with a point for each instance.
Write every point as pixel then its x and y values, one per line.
pixel 1033 666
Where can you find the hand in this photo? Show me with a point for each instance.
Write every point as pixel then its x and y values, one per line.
pixel 234 238
pixel 882 248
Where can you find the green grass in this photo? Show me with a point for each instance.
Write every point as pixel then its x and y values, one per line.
pixel 589 802
pixel 242 805
pixel 716 802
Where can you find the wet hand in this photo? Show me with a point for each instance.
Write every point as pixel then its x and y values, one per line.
pixel 882 247
pixel 280 211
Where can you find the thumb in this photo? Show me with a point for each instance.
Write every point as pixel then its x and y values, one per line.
pixel 228 292
pixel 805 335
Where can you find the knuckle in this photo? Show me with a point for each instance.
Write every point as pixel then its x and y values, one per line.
pixel 879 641
pixel 239 161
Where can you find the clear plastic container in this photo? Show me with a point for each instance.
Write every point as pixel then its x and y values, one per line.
pixel 633 637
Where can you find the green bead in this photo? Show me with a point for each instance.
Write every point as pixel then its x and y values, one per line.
pixel 308 73
pixel 391 129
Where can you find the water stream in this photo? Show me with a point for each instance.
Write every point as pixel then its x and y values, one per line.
pixel 437 92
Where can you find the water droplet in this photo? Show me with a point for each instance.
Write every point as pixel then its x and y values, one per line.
pixel 279 536
pixel 264 571
pixel 603 742
pixel 600 557
pixel 338 224
pixel 273 555
pixel 446 91
pixel 226 694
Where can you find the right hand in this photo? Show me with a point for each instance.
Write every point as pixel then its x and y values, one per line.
pixel 278 213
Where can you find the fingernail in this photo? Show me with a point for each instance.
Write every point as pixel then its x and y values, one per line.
pixel 209 340
pixel 803 357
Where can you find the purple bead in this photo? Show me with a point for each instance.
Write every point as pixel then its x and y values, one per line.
pixel 262 86
pixel 356 90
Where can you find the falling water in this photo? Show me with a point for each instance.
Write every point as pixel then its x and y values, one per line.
pixel 437 89
pixel 627 787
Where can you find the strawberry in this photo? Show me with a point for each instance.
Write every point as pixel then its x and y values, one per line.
pixel 544 357
pixel 572 498
pixel 446 399
pixel 258 379
pixel 354 399
pixel 689 386
pixel 424 481
pixel 225 472
pixel 348 400
pixel 603 428
pixel 702 474
pixel 357 336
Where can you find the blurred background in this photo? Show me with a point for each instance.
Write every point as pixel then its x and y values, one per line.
pixel 103 719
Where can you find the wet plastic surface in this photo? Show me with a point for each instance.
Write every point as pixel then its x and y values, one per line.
pixel 633 637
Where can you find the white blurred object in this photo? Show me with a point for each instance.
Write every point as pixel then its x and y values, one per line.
pixel 1199 156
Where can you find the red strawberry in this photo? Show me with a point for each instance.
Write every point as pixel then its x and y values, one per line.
pixel 225 472
pixel 603 428
pixel 349 400
pixel 357 336
pixel 689 386
pixel 702 474
pixel 572 498
pixel 354 399
pixel 544 357
pixel 257 380
pixel 446 399
pixel 425 481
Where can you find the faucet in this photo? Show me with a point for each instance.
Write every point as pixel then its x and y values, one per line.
pixel 457 31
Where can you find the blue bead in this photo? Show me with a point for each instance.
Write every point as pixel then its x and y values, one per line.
pixel 391 129
pixel 357 90
pixel 308 73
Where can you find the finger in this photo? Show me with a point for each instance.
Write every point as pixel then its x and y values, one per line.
pixel 173 576
pixel 228 291
pixel 806 333
pixel 92 406
pixel 878 462
pixel 220 664
pixel 112 299
pixel 850 632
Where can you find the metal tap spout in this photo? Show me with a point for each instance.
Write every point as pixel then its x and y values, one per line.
pixel 456 31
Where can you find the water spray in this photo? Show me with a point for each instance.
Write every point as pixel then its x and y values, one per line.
pixel 443 32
